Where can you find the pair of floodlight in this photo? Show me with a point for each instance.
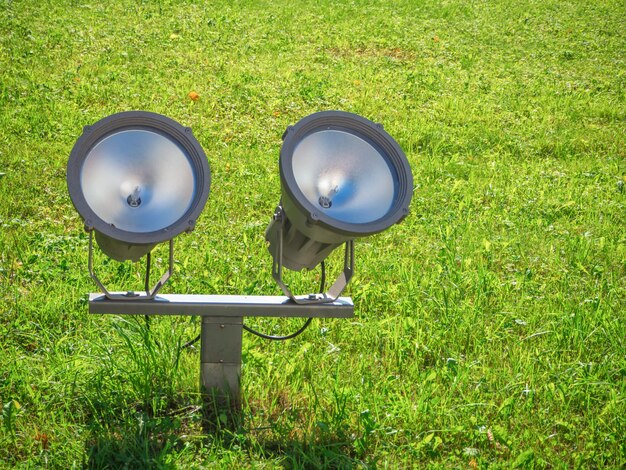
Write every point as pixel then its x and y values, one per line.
pixel 138 179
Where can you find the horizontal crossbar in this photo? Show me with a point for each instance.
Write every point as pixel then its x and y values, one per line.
pixel 219 306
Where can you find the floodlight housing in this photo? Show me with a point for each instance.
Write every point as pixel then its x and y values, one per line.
pixel 342 177
pixel 137 179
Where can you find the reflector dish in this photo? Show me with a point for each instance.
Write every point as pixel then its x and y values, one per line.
pixel 345 176
pixel 138 180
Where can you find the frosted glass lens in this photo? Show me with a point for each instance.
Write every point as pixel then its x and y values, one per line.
pixel 343 176
pixel 138 180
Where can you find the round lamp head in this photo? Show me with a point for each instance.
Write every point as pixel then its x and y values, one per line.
pixel 344 174
pixel 343 177
pixel 137 179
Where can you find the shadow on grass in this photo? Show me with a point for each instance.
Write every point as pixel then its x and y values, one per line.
pixel 147 443
pixel 171 442
pixel 321 454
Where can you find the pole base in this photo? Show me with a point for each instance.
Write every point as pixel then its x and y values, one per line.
pixel 220 370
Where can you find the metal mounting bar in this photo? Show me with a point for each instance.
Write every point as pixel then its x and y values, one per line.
pixel 221 331
pixel 221 328
pixel 219 306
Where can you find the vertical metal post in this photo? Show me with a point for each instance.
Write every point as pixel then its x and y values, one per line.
pixel 220 365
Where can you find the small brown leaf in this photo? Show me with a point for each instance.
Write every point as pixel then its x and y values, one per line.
pixel 44 439
pixel 193 96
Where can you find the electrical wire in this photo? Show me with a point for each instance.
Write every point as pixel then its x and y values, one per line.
pixel 271 337
pixel 147 284
pixel 189 344
pixel 278 338
pixel 304 327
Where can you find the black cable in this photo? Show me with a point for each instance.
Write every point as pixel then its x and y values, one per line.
pixel 147 285
pixel 189 344
pixel 304 327
pixel 271 337
pixel 279 338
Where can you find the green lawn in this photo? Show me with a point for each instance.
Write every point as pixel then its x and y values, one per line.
pixel 490 325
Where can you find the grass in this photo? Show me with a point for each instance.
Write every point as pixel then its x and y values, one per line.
pixel 489 327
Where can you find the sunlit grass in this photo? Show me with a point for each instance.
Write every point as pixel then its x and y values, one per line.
pixel 489 326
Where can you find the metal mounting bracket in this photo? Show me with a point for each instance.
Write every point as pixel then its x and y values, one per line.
pixel 150 292
pixel 335 289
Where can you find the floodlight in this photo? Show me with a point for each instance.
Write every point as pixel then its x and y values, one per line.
pixel 137 179
pixel 343 177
